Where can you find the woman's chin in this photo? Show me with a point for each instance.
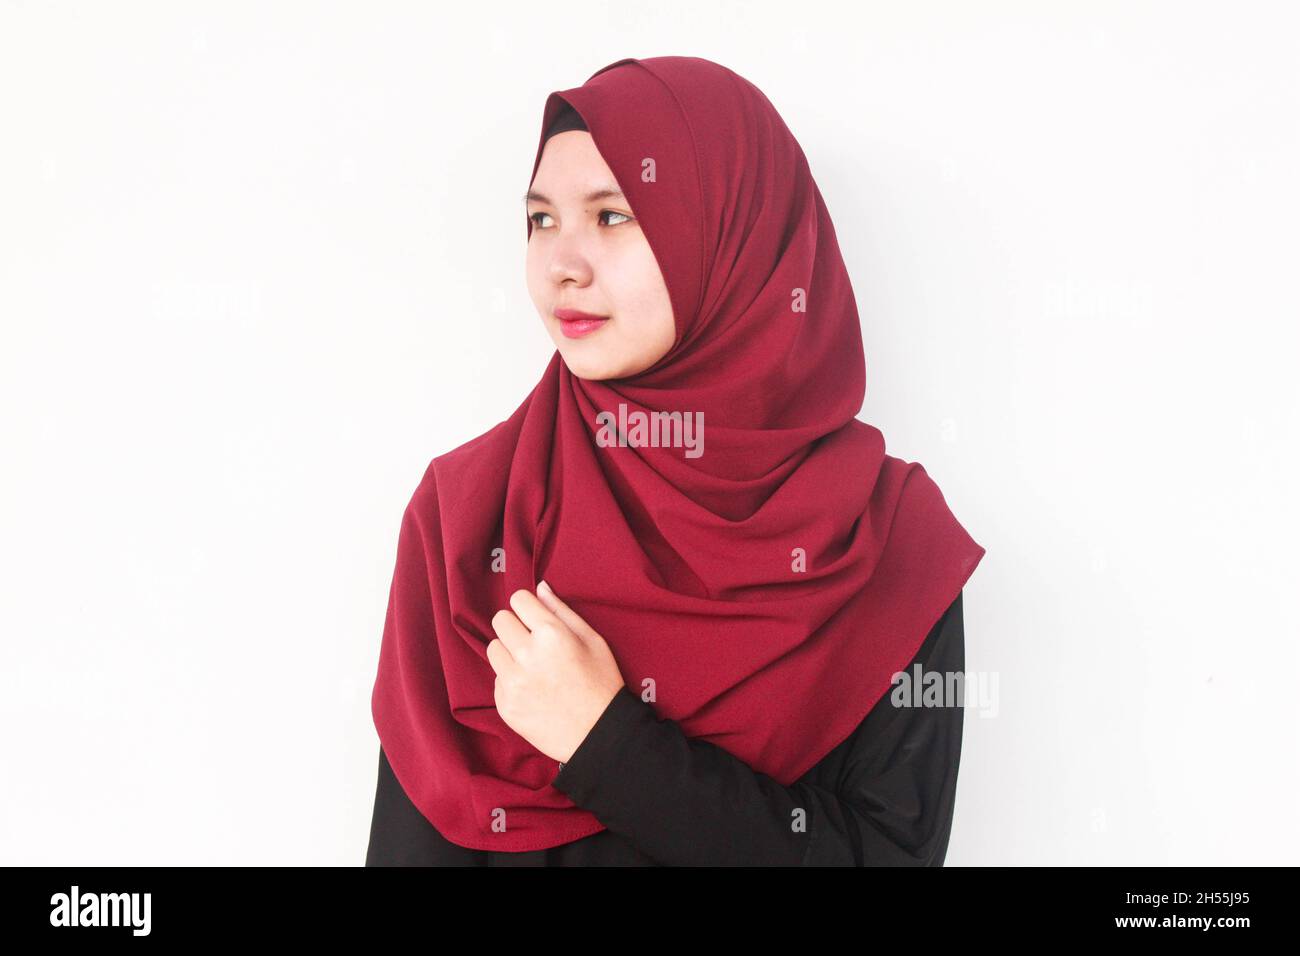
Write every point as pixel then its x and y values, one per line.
pixel 585 362
pixel 586 370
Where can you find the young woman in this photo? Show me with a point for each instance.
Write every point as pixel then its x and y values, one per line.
pixel 654 617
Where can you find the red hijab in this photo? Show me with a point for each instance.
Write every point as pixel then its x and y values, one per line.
pixel 772 585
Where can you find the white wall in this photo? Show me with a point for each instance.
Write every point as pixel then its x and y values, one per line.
pixel 256 263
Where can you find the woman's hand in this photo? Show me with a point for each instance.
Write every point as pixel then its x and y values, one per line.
pixel 555 675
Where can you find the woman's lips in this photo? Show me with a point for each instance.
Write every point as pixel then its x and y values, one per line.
pixel 575 323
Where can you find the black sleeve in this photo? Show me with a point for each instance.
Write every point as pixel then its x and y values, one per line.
pixel 888 802
pixel 401 836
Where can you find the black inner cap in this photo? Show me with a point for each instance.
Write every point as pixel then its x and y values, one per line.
pixel 567 119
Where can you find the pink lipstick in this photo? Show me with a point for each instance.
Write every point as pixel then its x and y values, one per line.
pixel 575 323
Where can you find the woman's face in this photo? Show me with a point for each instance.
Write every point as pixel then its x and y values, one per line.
pixel 588 254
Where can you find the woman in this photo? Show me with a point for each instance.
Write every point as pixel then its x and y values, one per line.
pixel 706 680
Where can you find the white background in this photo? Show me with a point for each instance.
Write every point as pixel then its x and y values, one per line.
pixel 259 263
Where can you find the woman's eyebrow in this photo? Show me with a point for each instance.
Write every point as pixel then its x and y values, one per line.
pixel 608 193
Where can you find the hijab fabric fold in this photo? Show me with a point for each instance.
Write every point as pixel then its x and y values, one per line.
pixel 767 588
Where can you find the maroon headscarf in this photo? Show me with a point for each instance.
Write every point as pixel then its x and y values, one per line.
pixel 769 587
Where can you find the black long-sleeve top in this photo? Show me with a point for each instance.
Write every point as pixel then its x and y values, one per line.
pixel 883 797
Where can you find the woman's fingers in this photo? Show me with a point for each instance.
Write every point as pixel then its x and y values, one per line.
pixel 510 631
pixel 529 609
pixel 498 656
pixel 568 615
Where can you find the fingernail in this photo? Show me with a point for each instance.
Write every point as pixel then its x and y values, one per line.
pixel 542 584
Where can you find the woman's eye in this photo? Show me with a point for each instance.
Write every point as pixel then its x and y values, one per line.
pixel 604 212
